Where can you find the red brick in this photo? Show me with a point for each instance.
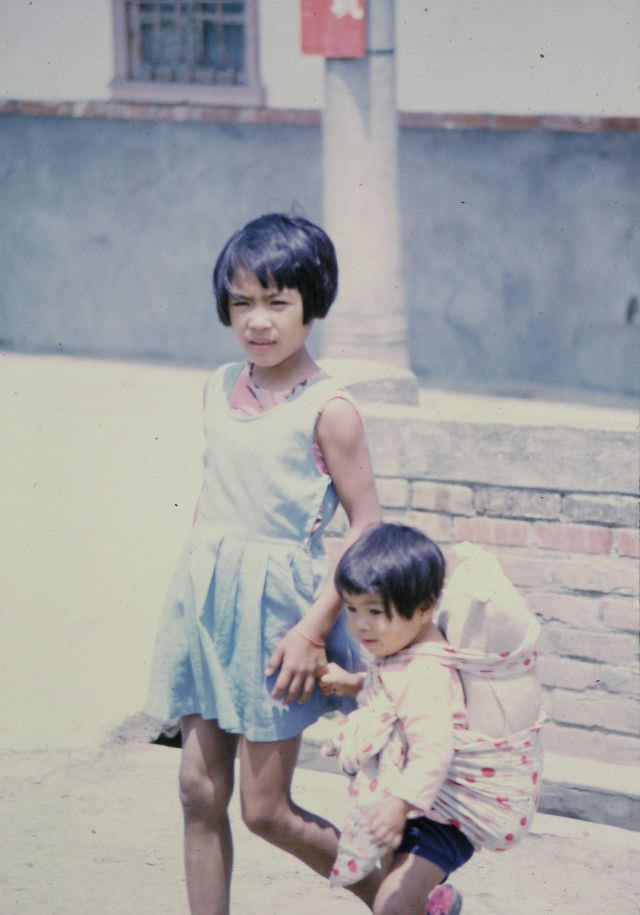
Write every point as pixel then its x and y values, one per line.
pixel 620 511
pixel 617 679
pixel 571 673
pixel 616 713
pixel 621 749
pixel 438 527
pixel 529 571
pixel 628 543
pixel 608 647
pixel 517 503
pixel 439 497
pixel 620 124
pixel 407 119
pixel 568 673
pixel 394 516
pixel 392 492
pixel 491 531
pixel 605 576
pixel 547 570
pixel 573 741
pixel 574 538
pixel 618 613
pixel 594 744
pixel 568 608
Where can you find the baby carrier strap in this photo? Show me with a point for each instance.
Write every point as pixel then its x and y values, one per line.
pixel 492 635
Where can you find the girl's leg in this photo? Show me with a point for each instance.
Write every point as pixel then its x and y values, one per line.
pixel 206 785
pixel 266 771
pixel 406 886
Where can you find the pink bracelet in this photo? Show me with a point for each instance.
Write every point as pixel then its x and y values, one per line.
pixel 315 642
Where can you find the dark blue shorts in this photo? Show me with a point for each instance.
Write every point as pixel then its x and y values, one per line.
pixel 440 843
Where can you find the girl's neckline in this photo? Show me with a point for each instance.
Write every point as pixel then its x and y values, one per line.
pixel 431 648
pixel 294 394
pixel 287 391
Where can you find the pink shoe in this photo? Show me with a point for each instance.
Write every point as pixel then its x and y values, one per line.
pixel 444 900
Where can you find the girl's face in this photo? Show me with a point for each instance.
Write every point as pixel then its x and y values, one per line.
pixel 268 323
pixel 374 630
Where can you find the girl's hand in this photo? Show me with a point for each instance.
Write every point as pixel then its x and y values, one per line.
pixel 300 663
pixel 386 822
pixel 337 681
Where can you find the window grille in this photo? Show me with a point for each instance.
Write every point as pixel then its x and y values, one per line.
pixel 186 51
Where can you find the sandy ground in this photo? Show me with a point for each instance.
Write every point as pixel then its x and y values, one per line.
pixel 100 834
pixel 100 473
pixel 100 468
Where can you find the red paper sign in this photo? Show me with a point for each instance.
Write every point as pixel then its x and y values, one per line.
pixel 333 28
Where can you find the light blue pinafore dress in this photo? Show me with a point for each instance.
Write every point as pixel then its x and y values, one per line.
pixel 251 568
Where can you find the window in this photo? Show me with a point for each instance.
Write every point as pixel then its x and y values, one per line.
pixel 188 51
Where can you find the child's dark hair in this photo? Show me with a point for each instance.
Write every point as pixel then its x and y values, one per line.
pixel 289 251
pixel 398 562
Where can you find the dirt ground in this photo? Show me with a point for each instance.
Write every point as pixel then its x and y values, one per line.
pixel 100 834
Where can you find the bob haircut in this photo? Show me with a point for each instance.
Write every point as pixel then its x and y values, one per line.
pixel 398 562
pixel 289 251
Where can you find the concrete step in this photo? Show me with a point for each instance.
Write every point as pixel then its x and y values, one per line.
pixel 572 786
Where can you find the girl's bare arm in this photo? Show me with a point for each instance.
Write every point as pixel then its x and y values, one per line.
pixel 342 438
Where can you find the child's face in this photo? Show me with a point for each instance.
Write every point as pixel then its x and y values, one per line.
pixel 374 630
pixel 268 323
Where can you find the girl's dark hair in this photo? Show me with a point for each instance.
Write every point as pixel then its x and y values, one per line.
pixel 396 561
pixel 289 251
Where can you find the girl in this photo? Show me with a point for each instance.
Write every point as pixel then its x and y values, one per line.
pixel 251 615
pixel 424 787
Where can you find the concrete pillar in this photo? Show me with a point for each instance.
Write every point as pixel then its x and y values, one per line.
pixel 368 320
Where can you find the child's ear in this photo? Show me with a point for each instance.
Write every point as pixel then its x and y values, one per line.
pixel 427 607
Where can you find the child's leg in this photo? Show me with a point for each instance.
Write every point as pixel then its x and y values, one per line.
pixel 406 886
pixel 206 785
pixel 266 771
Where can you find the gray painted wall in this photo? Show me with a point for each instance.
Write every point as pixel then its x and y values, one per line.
pixel 523 256
pixel 521 250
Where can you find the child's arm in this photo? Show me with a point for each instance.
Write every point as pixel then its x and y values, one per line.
pixel 386 821
pixel 343 441
pixel 337 681
pixel 428 729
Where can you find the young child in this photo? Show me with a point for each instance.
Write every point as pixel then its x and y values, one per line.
pixel 252 614
pixel 426 791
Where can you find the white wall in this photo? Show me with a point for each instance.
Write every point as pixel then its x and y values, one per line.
pixel 55 50
pixel 453 55
pixel 292 80
pixel 486 56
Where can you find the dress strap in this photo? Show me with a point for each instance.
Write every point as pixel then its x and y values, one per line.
pixel 326 390
pixel 228 374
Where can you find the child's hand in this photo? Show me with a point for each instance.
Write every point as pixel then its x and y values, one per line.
pixel 337 681
pixel 386 822
pixel 300 664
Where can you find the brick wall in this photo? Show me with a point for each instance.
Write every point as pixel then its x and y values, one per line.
pixel 559 507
